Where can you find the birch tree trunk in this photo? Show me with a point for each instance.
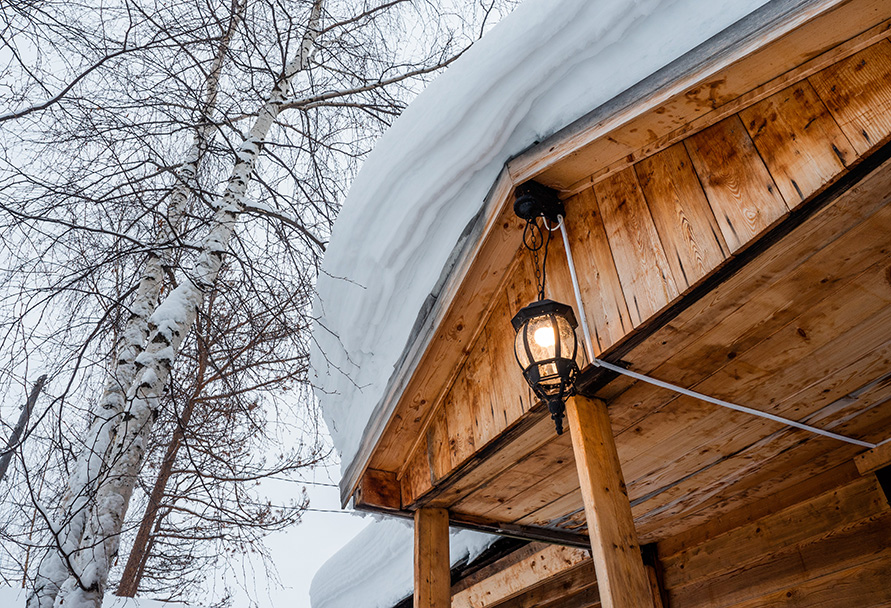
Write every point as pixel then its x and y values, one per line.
pixel 168 326
pixel 105 416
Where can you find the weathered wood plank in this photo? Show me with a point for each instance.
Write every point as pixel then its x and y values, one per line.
pixel 521 577
pixel 685 222
pixel 621 576
pixel 858 93
pixel 553 513
pixel 752 501
pixel 863 586
pixel 793 525
pixel 739 188
pixel 460 422
pixel 573 588
pixel 475 392
pixel 503 489
pixel 380 490
pixel 522 437
pixel 599 284
pixel 643 270
pixel 432 580
pixel 874 459
pixel 843 213
pixel 788 565
pixel 508 388
pixel 558 477
pixel 438 452
pixel 416 478
pixel 798 140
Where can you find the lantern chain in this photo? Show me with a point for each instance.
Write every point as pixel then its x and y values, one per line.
pixel 534 240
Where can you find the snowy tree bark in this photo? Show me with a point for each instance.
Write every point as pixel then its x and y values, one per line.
pixel 105 416
pixel 168 326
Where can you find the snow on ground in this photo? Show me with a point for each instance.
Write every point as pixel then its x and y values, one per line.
pixel 545 65
pixel 15 598
pixel 375 569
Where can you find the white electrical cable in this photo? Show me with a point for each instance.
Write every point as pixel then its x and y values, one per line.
pixel 732 406
pixel 678 389
pixel 583 320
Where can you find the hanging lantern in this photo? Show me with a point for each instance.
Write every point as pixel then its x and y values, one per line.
pixel 546 345
pixel 547 349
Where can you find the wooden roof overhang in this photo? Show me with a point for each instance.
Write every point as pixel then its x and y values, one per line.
pixel 730 225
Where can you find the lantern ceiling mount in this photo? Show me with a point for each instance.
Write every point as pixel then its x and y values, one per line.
pixel 533 200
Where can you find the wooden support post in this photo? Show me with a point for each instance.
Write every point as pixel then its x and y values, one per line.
pixel 621 576
pixel 432 568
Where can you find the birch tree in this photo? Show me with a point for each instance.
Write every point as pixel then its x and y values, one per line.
pixel 115 235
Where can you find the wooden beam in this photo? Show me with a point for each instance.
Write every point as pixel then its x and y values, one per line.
pixel 432 567
pixel 621 576
pixel 378 490
pixel 874 459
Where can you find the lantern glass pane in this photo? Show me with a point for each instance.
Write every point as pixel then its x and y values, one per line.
pixel 542 338
pixel 520 348
pixel 568 341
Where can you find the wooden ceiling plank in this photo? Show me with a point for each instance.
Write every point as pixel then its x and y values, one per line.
pixel 789 564
pixel 554 511
pixel 858 501
pixel 601 290
pixel 857 92
pixel 531 469
pixel 748 449
pixel 559 480
pixel 687 504
pixel 751 499
pixel 685 222
pixel 522 577
pixel 739 188
pixel 801 144
pixel 520 439
pixel 644 273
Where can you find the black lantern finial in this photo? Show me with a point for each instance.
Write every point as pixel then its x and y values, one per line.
pixel 546 345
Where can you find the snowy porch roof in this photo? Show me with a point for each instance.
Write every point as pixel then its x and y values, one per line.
pixel 548 70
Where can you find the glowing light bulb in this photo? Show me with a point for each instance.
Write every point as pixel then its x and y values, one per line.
pixel 544 337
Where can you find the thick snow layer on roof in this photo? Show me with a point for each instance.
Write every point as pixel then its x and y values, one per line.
pixel 547 64
pixel 376 569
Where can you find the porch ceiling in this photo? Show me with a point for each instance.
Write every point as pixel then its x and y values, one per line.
pixel 797 324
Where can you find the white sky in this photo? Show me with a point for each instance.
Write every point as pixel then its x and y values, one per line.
pixel 300 552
